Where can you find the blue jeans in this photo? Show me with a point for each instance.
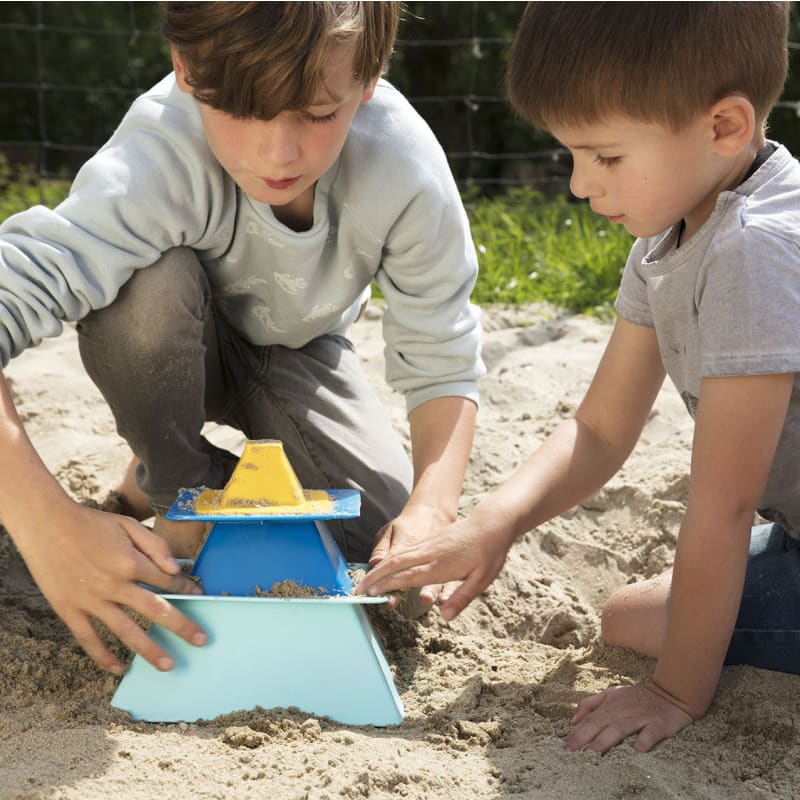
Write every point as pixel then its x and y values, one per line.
pixel 767 632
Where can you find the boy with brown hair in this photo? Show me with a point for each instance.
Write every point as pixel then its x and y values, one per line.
pixel 663 107
pixel 215 251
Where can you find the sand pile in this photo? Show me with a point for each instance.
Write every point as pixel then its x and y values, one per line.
pixel 488 697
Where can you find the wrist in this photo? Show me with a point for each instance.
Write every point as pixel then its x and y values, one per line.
pixel 31 516
pixel 692 711
pixel 498 523
pixel 441 513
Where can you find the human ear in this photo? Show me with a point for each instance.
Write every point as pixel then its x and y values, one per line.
pixel 733 122
pixel 369 90
pixel 181 73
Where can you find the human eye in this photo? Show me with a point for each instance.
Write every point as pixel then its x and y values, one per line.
pixel 606 161
pixel 319 120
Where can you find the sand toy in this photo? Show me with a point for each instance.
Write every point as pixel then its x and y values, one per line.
pixel 314 650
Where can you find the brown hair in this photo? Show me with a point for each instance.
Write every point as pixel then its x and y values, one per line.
pixel 661 62
pixel 258 59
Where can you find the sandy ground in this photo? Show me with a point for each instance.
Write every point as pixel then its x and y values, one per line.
pixel 487 698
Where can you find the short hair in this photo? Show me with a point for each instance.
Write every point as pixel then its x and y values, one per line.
pixel 258 59
pixel 657 62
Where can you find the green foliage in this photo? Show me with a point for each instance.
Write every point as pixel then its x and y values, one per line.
pixel 450 60
pixel 531 249
pixel 783 121
pixel 22 188
pixel 71 69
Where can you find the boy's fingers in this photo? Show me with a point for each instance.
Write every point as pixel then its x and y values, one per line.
pixel 383 545
pixel 648 738
pixel 397 577
pixel 157 567
pixel 462 597
pixel 587 705
pixel 158 610
pixel 162 612
pixel 152 575
pixel 430 594
pixel 130 634
pixel 86 636
pixel 597 733
pixel 448 589
pixel 153 546
pixel 121 625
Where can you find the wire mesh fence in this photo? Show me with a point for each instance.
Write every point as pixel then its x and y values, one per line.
pixel 70 70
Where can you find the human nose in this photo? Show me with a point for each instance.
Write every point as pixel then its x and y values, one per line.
pixel 279 143
pixel 583 183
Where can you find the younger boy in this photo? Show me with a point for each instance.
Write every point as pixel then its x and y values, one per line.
pixel 663 107
pixel 216 250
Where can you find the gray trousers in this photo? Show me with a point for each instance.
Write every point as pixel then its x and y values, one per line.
pixel 166 363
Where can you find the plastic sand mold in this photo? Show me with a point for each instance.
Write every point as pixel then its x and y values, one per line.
pixel 316 652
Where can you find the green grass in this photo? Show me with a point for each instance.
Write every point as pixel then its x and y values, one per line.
pixel 21 188
pixel 536 250
pixel 529 249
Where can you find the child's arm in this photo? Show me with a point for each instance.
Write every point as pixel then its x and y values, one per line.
pixel 738 425
pixel 575 460
pixel 441 438
pixel 86 562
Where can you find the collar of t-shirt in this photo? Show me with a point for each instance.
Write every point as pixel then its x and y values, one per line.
pixel 761 156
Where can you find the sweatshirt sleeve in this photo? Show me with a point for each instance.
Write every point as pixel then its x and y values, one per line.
pixel 153 186
pixel 432 331
pixel 428 270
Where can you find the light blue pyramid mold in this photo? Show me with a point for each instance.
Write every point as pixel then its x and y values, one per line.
pixel 317 654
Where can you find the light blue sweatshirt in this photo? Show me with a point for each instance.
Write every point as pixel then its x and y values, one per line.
pixel 387 210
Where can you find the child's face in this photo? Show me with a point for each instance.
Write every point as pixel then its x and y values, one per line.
pixel 645 176
pixel 279 161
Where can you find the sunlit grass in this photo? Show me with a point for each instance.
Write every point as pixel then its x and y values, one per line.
pixel 21 188
pixel 529 249
pixel 554 251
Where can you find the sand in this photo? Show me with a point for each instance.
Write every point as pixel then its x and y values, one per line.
pixel 488 697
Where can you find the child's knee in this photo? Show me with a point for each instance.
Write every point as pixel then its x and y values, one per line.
pixel 149 309
pixel 635 616
pixel 614 619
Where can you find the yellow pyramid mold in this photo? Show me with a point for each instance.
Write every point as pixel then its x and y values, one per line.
pixel 263 482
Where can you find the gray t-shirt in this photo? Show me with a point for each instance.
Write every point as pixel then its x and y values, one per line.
pixel 728 303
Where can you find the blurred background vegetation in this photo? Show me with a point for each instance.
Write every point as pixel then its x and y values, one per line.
pixel 71 69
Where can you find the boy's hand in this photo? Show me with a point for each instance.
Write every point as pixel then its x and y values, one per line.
pixel 89 568
pixel 438 562
pixel 413 526
pixel 606 719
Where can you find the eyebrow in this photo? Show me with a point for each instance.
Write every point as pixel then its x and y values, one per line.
pixel 320 103
pixel 607 145
pixel 599 146
pixel 593 146
pixel 325 98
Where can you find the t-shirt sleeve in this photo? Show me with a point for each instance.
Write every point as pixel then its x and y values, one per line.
pixel 632 303
pixel 749 306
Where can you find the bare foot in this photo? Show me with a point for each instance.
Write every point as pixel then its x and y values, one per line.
pixel 183 537
pixel 133 501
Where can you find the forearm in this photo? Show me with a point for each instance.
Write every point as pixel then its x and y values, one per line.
pixel 442 431
pixel 87 564
pixel 25 482
pixel 584 452
pixel 569 466
pixel 707 580
pixel 737 428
